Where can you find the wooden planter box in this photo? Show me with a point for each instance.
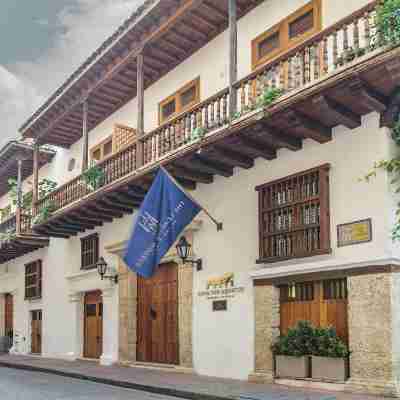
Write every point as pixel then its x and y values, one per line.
pixel 292 367
pixel 330 369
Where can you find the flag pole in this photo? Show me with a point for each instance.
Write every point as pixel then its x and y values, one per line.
pixel 218 224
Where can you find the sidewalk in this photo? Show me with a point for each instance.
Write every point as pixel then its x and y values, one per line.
pixel 184 385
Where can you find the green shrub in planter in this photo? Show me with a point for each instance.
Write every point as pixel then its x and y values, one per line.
pixel 388 22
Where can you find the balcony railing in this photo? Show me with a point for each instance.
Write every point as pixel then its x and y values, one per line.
pixel 312 61
pixel 9 226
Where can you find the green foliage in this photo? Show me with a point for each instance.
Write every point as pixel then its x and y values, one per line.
pixel 198 133
pixel 93 177
pixel 388 22
pixel 44 213
pixel 45 187
pixel 7 236
pixel 350 54
pixel 269 96
pixel 12 190
pixel 306 340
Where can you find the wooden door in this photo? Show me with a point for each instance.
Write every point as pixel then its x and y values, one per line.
pixel 93 325
pixel 157 316
pixel 36 332
pixel 8 316
pixel 324 304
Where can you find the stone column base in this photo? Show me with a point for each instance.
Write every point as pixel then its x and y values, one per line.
pixel 261 377
pixel 375 387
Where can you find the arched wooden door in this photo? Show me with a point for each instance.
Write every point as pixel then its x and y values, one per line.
pixel 157 316
pixel 93 325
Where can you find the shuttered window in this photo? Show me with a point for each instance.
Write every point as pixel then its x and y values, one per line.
pixel 335 289
pixel 89 251
pixel 303 291
pixel 33 280
pixel 288 33
pixel 180 101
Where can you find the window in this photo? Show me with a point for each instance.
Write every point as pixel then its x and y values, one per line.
pixel 89 251
pixel 335 289
pixel 288 33
pixel 294 216
pixel 297 292
pixel 180 101
pixel 102 150
pixel 33 280
pixel 123 136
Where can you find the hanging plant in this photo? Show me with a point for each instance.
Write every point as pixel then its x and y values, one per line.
pixel 93 177
pixel 45 187
pixel 197 133
pixel 269 96
pixel 388 23
pixel 44 214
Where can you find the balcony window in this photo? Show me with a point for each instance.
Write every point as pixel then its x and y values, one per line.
pixel 102 150
pixel 33 280
pixel 89 251
pixel 288 33
pixel 180 101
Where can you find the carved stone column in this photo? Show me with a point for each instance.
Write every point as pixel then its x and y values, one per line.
pixel 76 323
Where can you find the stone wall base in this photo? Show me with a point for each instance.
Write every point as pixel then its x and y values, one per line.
pixel 261 377
pixel 375 387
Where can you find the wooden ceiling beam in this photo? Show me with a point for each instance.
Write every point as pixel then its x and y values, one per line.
pixel 186 173
pixel 313 129
pixel 202 164
pixel 178 49
pixel 106 211
pixel 233 157
pixel 257 147
pixel 278 138
pixel 160 52
pixel 337 111
pixel 87 218
pixel 194 31
pixel 204 20
pixel 212 9
pixel 367 96
pixel 116 206
pixel 183 39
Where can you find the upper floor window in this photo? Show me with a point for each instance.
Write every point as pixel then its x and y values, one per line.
pixel 102 150
pixel 180 101
pixel 287 34
pixel 89 251
pixel 294 216
pixel 33 280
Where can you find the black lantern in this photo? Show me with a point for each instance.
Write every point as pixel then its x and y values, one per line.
pixel 102 267
pixel 183 249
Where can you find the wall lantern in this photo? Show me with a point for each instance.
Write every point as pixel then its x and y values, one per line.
pixel 102 268
pixel 183 249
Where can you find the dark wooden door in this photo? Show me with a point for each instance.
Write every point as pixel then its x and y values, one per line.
pixel 324 304
pixel 157 317
pixel 8 316
pixel 36 332
pixel 93 325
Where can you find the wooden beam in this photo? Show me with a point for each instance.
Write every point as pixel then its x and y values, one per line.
pixel 233 157
pixel 140 110
pixel 202 164
pixel 194 30
pixel 108 211
pixel 391 115
pixel 204 20
pixel 215 10
pixel 88 218
pixel 257 147
pixel 233 56
pixel 85 134
pixel 337 111
pixel 313 129
pixel 116 206
pixel 367 96
pixel 186 173
pixel 277 138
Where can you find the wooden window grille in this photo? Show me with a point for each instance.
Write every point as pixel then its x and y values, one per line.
pixel 33 280
pixel 335 289
pixel 303 291
pixel 123 136
pixel 102 150
pixel 294 216
pixel 180 101
pixel 89 251
pixel 287 34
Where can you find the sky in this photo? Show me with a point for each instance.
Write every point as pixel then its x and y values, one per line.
pixel 42 43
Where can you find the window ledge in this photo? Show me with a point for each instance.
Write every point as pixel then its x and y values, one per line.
pixel 83 274
pixel 34 299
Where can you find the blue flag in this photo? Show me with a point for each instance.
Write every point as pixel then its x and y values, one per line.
pixel 163 215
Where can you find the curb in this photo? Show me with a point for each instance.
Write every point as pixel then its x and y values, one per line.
pixel 184 394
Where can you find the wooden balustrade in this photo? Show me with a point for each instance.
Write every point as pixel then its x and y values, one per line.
pixel 185 128
pixel 10 224
pixel 312 60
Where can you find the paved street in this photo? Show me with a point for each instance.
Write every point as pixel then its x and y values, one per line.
pixel 25 385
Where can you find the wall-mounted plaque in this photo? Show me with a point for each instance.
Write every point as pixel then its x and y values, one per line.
pixel 220 305
pixel 354 233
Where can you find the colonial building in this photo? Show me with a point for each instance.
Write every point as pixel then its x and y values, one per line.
pixel 269 112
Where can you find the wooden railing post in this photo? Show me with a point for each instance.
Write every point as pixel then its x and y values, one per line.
pixel 232 56
pixel 19 198
pixel 140 110
pixel 35 191
pixel 85 135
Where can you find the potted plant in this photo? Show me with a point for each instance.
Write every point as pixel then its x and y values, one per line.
pixel 292 352
pixel 330 356
pixel 93 177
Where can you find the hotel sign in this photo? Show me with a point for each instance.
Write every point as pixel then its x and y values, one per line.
pixel 354 233
pixel 222 287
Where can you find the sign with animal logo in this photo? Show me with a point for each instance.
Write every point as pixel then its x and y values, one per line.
pixel 221 287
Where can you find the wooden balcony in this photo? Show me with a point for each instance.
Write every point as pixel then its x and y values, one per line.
pixel 15 242
pixel 334 78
